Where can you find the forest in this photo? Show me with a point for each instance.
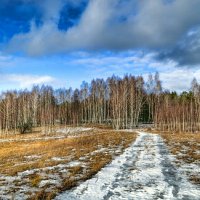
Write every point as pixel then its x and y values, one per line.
pixel 122 103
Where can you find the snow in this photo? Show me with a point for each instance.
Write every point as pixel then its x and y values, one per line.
pixel 32 139
pixel 66 131
pixel 58 159
pixel 144 171
pixel 8 183
pixel 48 182
pixel 28 172
pixel 74 164
pixel 32 157
pixel 101 150
pixel 71 130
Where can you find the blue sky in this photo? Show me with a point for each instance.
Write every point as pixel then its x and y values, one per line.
pixel 64 42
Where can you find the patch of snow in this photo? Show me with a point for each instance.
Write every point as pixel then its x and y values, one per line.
pixel 101 150
pixel 64 171
pixel 58 159
pixel 48 182
pixel 27 172
pixel 32 157
pixel 82 158
pixel 74 164
pixel 127 130
pixel 66 131
pixel 71 130
pixel 32 139
pixel 197 152
pixel 144 171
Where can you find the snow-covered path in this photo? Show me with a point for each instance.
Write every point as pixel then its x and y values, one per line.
pixel 143 171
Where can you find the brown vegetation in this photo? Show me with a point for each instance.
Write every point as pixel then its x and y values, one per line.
pixel 18 157
pixel 116 102
pixel 186 147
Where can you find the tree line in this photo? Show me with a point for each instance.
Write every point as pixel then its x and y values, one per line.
pixel 120 102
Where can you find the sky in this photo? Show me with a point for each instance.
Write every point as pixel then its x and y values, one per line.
pixel 64 42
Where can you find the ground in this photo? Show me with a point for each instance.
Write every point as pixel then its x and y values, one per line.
pixel 36 166
pixel 145 170
pixel 186 147
pixel 130 165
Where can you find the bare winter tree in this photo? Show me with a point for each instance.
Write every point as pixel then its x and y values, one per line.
pixel 121 102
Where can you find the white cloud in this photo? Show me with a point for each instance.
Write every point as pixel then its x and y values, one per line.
pixel 173 78
pixel 179 79
pixel 102 65
pixel 24 81
pixel 94 65
pixel 112 24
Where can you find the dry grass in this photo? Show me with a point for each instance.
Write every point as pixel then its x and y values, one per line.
pixel 186 147
pixel 99 126
pixel 16 133
pixel 36 132
pixel 35 180
pixel 16 157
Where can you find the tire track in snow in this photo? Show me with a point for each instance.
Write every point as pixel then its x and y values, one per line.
pixel 143 171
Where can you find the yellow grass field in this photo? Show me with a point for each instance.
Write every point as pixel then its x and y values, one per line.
pixel 39 169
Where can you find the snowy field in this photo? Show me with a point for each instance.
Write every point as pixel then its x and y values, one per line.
pixel 144 171
pixel 59 134
pixel 69 159
pixel 40 167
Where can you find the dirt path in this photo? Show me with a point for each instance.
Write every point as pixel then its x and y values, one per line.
pixel 143 171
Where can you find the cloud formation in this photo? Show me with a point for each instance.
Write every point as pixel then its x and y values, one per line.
pixel 168 27
pixel 185 52
pixel 20 72
pixel 25 81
